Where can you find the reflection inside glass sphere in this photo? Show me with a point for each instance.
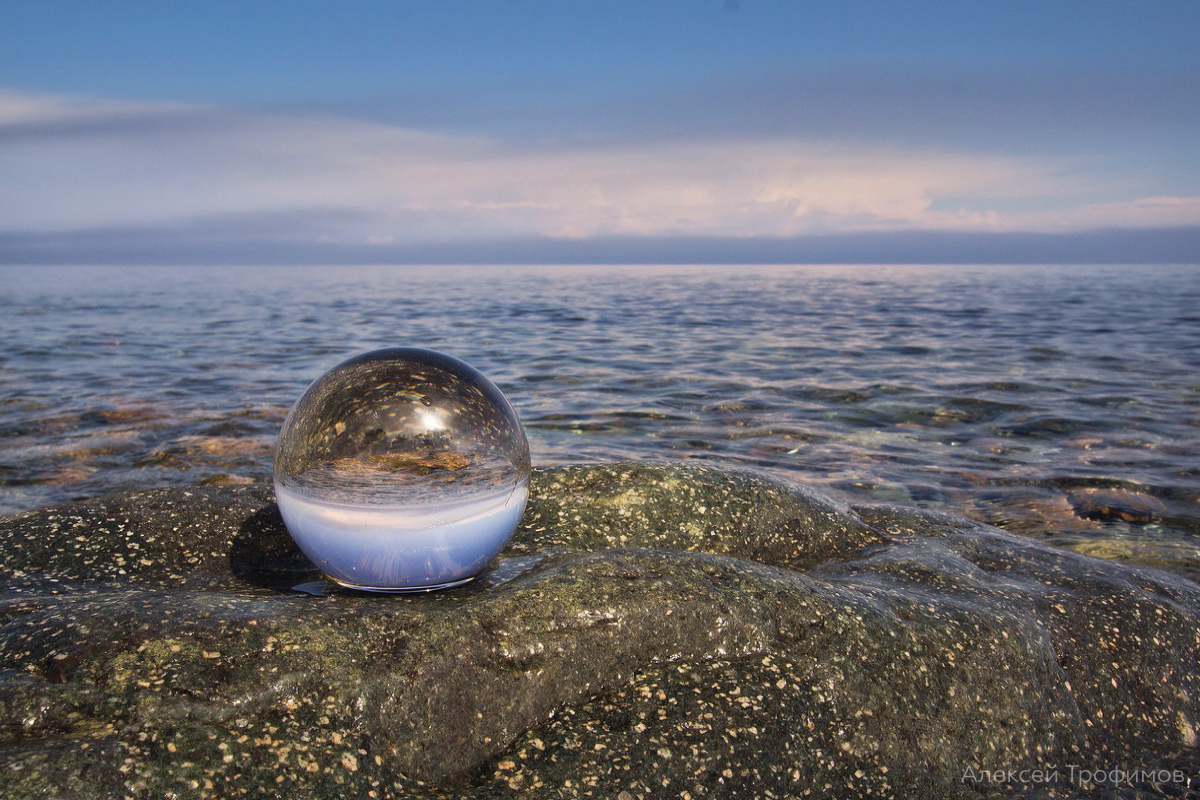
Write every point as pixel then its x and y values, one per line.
pixel 402 470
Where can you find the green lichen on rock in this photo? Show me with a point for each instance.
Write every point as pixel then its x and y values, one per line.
pixel 652 631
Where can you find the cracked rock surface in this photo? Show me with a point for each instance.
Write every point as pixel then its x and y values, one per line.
pixel 651 631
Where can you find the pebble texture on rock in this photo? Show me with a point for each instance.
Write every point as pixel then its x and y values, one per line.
pixel 652 631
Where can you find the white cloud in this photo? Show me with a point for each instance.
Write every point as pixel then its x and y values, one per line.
pixel 76 163
pixel 1136 213
pixel 21 108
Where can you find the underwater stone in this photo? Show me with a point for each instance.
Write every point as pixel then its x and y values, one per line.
pixel 650 630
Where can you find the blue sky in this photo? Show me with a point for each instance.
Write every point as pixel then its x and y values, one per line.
pixel 410 131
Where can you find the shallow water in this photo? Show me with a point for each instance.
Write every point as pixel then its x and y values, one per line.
pixel 1060 402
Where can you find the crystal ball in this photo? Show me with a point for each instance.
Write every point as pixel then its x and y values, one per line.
pixel 402 470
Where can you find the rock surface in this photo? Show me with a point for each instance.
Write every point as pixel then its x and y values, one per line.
pixel 652 631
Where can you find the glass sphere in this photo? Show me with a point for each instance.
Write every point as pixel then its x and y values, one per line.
pixel 402 470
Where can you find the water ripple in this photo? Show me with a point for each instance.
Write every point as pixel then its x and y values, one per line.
pixel 999 392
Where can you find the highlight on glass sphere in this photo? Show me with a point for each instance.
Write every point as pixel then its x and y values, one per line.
pixel 402 470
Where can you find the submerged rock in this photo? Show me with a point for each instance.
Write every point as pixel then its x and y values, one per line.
pixel 652 631
pixel 1117 504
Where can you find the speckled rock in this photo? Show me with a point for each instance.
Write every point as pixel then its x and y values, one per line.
pixel 652 631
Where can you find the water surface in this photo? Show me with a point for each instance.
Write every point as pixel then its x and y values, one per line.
pixel 1056 401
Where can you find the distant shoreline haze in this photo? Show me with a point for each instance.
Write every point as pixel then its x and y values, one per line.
pixel 201 244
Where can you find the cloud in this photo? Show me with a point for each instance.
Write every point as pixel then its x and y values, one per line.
pixel 73 164
pixel 22 109
pixel 1139 212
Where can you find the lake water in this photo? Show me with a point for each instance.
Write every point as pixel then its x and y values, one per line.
pixel 1061 402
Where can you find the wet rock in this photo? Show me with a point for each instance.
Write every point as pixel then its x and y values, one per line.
pixel 1177 556
pixel 63 475
pixel 1040 427
pixel 1124 505
pixel 652 631
pixel 225 479
pixel 1031 510
pixel 227 448
pixel 125 413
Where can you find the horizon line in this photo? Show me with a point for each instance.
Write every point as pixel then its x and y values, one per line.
pixel 179 246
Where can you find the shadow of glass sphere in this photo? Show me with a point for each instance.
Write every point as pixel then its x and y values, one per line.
pixel 402 469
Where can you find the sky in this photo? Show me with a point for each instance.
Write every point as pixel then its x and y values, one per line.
pixel 657 130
